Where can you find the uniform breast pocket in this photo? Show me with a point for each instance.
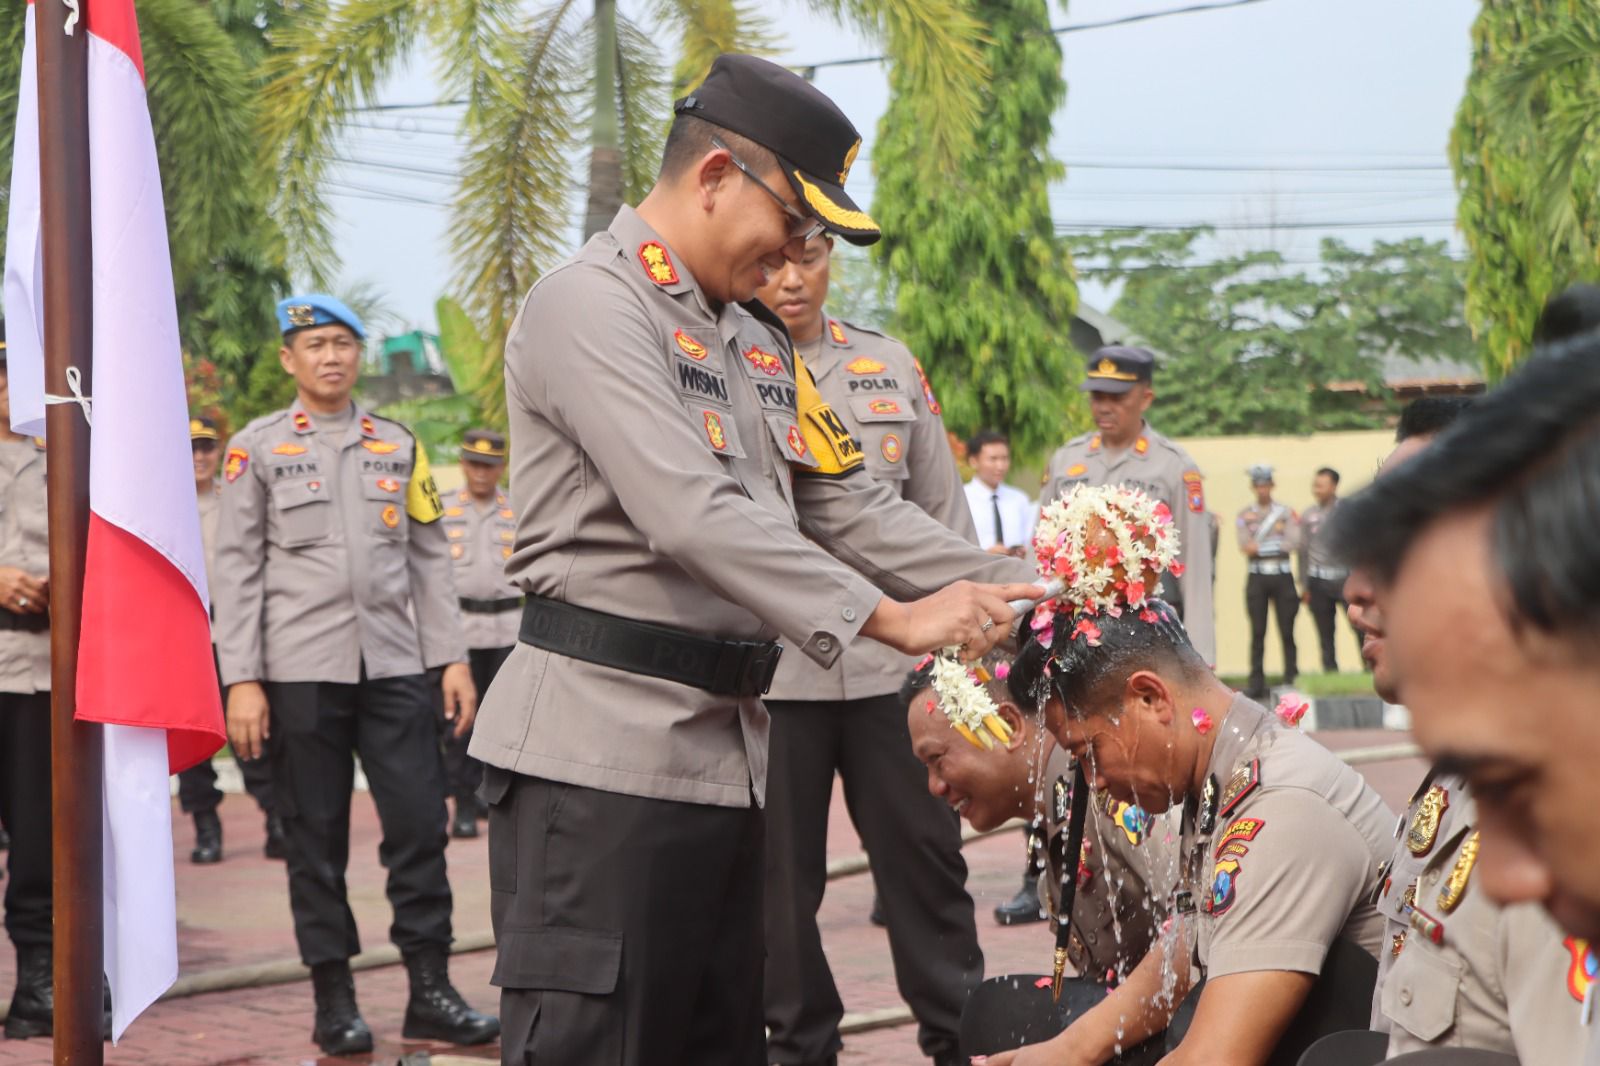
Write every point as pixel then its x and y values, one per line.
pixel 302 514
pixel 386 503
pixel 715 426
pixel 1419 993
pixel 885 429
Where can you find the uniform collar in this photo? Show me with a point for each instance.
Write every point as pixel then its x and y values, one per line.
pixel 1245 718
pixel 833 342
pixel 362 425
pixel 648 255
pixel 1139 449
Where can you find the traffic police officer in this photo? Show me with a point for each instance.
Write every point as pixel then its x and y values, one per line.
pixel 849 719
pixel 481 525
pixel 1269 533
pixel 25 719
pixel 198 793
pixel 669 450
pixel 334 603
pixel 1124 450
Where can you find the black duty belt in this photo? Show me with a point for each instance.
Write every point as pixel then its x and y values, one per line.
pixel 723 667
pixel 26 623
pixel 505 603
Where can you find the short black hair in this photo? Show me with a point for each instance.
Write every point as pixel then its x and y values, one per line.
pixel 1574 311
pixel 1086 676
pixel 985 437
pixel 1427 415
pixel 689 139
pixel 1333 475
pixel 1531 450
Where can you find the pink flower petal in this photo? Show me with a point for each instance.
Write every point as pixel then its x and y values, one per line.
pixel 1002 671
pixel 1176 569
pixel 1043 982
pixel 1291 708
pixel 1202 720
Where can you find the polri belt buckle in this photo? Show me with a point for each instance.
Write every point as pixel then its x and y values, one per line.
pixel 760 667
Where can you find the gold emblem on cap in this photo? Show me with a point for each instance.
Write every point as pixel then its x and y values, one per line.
pixel 300 315
pixel 1456 887
pixel 196 426
pixel 849 161
pixel 829 211
pixel 1108 369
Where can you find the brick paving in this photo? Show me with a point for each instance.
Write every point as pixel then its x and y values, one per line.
pixel 237 913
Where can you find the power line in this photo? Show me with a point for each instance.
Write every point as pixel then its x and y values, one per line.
pixel 1228 227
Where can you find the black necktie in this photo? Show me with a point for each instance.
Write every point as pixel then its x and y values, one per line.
pixel 999 529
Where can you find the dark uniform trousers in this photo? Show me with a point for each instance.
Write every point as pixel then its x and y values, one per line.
pixel 393 724
pixel 914 842
pixel 25 812
pixel 1327 596
pixel 463 773
pixel 197 786
pixel 570 868
pixel 1260 590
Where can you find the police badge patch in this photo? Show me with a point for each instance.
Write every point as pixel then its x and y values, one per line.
pixel 1424 828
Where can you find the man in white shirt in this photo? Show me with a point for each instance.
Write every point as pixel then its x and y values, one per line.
pixel 1003 515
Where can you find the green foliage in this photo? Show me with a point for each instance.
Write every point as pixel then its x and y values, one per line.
pixel 475 371
pixel 1252 347
pixel 1527 166
pixel 984 287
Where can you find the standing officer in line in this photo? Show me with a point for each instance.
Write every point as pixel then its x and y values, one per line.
pixel 680 485
pixel 338 632
pixel 198 794
pixel 1269 533
pixel 1124 450
pixel 25 719
pixel 849 719
pixel 480 525
pixel 1321 575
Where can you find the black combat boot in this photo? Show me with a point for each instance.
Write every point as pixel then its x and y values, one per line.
pixel 465 824
pixel 436 1010
pixel 275 847
pixel 339 1029
pixel 207 838
pixel 1023 907
pixel 33 1005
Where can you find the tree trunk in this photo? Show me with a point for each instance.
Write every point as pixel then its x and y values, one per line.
pixel 605 150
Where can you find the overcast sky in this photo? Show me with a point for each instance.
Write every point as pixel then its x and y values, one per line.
pixel 1280 122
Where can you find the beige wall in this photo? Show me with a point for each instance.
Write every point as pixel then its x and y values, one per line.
pixel 1295 459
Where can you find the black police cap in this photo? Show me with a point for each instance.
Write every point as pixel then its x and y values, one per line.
pixel 781 111
pixel 1117 368
pixel 483 446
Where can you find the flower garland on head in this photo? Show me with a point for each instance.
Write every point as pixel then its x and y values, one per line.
pixel 1100 548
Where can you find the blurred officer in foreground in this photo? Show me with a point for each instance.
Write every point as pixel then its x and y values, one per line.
pixel 1484 552
pixel 25 719
pixel 670 449
pixel 1125 450
pixel 1269 533
pixel 1321 575
pixel 480 525
pixel 198 793
pixel 338 632
pixel 849 719
pixel 1126 871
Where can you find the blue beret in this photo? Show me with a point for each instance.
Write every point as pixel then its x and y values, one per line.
pixel 317 309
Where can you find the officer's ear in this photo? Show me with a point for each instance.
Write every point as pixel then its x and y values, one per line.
pixel 1147 396
pixel 714 173
pixel 1012 715
pixel 1147 694
pixel 285 357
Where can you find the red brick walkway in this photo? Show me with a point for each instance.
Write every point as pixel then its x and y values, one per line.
pixel 237 913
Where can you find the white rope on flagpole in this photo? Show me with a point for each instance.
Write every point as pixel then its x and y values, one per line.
pixel 75 383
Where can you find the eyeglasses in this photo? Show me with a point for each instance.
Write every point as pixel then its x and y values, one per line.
pixel 203 445
pixel 801 227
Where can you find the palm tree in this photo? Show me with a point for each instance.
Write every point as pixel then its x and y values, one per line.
pixel 533 87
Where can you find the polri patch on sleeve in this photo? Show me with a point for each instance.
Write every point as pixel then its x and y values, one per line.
pixel 1194 491
pixel 1585 967
pixel 1224 886
pixel 657 263
pixel 1240 829
pixel 927 389
pixel 234 466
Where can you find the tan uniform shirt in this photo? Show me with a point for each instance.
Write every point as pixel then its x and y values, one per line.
pixel 1316 554
pixel 330 558
pixel 1275 529
pixel 1126 874
pixel 663 455
pixel 877 389
pixel 24 544
pixel 1165 472
pixel 1456 969
pixel 1287 868
pixel 480 538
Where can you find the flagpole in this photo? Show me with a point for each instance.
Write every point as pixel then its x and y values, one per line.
pixel 61 40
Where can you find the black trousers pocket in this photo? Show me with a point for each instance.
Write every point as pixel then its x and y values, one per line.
pixel 560 1004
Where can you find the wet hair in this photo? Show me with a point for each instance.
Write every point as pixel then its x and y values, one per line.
pixel 689 139
pixel 988 436
pixel 1530 450
pixel 1574 311
pixel 1427 415
pixel 1087 678
pixel 1333 475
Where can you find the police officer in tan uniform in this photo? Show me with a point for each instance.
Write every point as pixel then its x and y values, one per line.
pixel 25 719
pixel 669 449
pixel 1279 838
pixel 1269 535
pixel 1125 450
pixel 480 525
pixel 338 631
pixel 849 719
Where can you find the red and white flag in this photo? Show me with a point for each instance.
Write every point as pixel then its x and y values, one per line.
pixel 144 657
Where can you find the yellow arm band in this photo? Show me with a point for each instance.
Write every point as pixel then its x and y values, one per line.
pixel 422 495
pixel 829 439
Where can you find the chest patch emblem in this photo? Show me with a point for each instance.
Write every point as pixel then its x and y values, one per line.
pixel 1456 886
pixel 864 365
pixel 714 431
pixel 389 484
pixel 1076 470
pixel 884 407
pixel 891 448
pixel 797 442
pixel 764 361
pixel 380 447
pixel 288 449
pixel 391 516
pixel 689 346
pixel 1424 828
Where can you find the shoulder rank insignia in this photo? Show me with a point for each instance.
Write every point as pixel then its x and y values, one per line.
pixel 714 431
pixel 836 333
pixel 657 263
pixel 367 428
pixel 1245 777
pixel 863 365
pixel 891 448
pixel 302 422
pixel 1076 470
pixel 1585 968
pixel 1424 828
pixel 236 463
pixel 380 447
pixel 288 449
pixel 1194 491
pixel 463 496
pixel 1206 820
pixel 764 361
pixel 689 346
pixel 1094 443
pixel 1456 885
pixel 927 389
pixel 38 442
pixel 1141 446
